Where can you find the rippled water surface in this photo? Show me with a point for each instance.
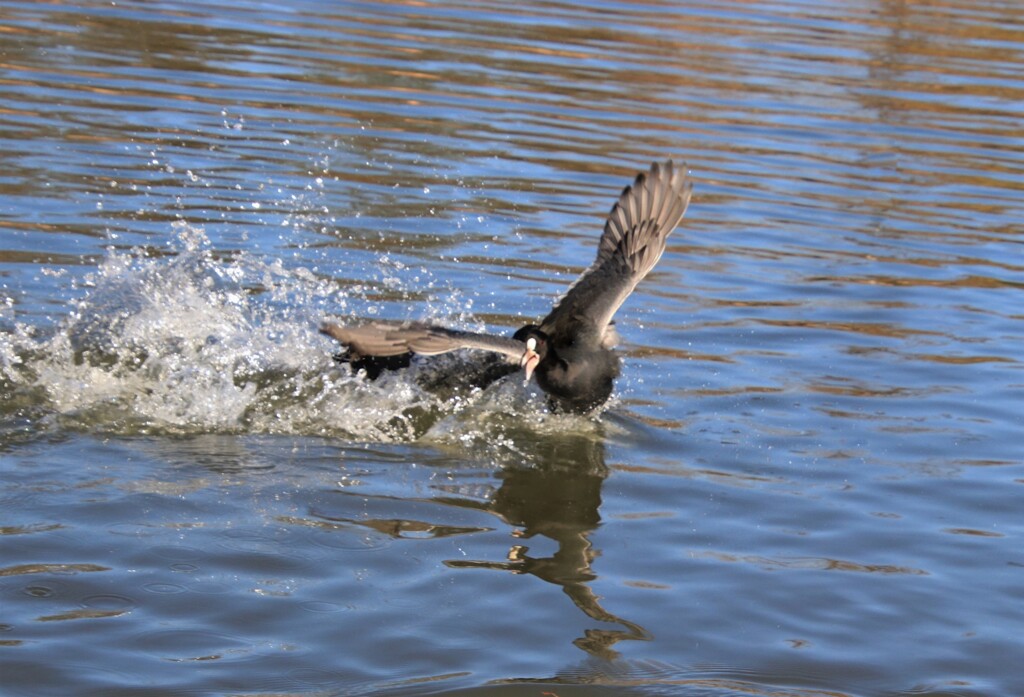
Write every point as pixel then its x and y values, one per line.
pixel 809 480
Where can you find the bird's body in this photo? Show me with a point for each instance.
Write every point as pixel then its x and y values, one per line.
pixel 570 351
pixel 578 375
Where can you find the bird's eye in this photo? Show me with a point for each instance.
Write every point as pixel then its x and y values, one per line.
pixel 531 344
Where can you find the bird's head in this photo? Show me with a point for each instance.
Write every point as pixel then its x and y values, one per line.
pixel 536 348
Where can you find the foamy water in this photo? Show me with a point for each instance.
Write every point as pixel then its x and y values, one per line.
pixel 194 342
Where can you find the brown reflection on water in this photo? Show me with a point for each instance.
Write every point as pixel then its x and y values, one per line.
pixel 851 388
pixel 82 614
pixel 973 532
pixel 809 563
pixel 23 569
pixel 930 357
pixel 391 527
pixel 676 469
pixel 437 95
pixel 29 529
pixel 866 328
pixel 969 281
pixel 943 84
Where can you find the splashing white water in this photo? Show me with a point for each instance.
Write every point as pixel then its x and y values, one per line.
pixel 193 343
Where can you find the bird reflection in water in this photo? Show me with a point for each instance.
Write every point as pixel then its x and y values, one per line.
pixel 558 496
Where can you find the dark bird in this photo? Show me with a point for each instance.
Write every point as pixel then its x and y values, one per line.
pixel 570 351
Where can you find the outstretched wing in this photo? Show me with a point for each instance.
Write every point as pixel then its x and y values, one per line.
pixel 633 240
pixel 392 339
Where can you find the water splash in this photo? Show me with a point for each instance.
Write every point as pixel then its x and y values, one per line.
pixel 193 342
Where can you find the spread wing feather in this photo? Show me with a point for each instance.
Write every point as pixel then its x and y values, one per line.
pixel 632 243
pixel 393 339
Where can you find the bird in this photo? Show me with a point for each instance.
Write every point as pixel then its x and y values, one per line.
pixel 570 351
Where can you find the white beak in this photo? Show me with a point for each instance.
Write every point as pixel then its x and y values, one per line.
pixel 530 358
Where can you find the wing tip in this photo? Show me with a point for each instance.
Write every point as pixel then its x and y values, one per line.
pixel 332 330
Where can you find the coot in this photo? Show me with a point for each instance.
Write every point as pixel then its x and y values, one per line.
pixel 570 350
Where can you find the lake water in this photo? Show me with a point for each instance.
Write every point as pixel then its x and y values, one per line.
pixel 809 481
